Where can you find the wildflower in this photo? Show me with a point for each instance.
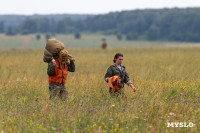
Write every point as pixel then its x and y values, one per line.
pixel 89 96
pixel 91 109
pixel 102 109
pixel 68 108
pixel 36 99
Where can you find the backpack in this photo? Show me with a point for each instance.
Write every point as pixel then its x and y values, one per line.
pixel 52 49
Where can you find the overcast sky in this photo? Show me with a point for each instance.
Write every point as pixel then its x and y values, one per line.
pixel 30 7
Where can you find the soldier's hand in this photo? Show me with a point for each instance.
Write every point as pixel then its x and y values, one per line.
pixel 134 89
pixel 70 57
pixel 54 62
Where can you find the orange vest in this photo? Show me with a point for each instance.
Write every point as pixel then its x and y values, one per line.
pixel 114 83
pixel 104 45
pixel 60 76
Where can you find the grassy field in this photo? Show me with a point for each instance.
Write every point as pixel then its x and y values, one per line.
pixel 167 82
pixel 86 41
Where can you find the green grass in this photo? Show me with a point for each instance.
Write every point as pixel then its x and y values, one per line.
pixel 167 82
pixel 86 41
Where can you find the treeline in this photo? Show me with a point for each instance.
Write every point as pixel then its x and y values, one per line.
pixel 150 24
pixel 16 20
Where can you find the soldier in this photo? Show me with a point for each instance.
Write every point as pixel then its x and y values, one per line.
pixel 104 45
pixel 57 72
pixel 119 70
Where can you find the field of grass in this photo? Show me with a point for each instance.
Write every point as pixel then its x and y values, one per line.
pixel 86 41
pixel 167 82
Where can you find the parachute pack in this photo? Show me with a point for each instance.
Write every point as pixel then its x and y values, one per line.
pixel 52 49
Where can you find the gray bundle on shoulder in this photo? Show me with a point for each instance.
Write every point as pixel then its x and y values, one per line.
pixel 52 49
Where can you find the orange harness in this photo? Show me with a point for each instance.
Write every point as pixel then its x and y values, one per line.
pixel 114 83
pixel 60 76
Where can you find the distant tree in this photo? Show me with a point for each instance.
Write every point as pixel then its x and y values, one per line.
pixel 53 34
pixel 29 26
pixel 48 36
pixel 38 36
pixel 44 25
pixel 128 37
pixel 109 32
pixel 77 35
pixel 66 25
pixel 103 39
pixel 131 36
pixel 10 31
pixel 119 36
pixel 25 32
pixel 153 33
pixel 60 28
pixel 1 27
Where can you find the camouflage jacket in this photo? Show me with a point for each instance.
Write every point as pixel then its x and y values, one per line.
pixel 51 68
pixel 114 70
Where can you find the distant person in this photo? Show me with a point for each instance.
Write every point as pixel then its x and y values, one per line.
pixel 116 76
pixel 104 45
pixel 57 71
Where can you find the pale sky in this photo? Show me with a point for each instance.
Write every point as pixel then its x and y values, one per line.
pixel 29 7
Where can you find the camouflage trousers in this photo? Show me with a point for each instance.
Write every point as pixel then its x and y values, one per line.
pixel 58 91
pixel 118 94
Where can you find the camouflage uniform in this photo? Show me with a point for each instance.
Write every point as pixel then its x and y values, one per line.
pixel 114 70
pixel 56 89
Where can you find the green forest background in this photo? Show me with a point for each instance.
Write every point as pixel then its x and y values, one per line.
pixel 176 24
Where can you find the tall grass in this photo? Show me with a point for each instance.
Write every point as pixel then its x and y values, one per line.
pixel 167 82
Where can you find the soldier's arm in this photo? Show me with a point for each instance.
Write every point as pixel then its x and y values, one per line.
pixel 71 66
pixel 51 69
pixel 127 79
pixel 108 74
